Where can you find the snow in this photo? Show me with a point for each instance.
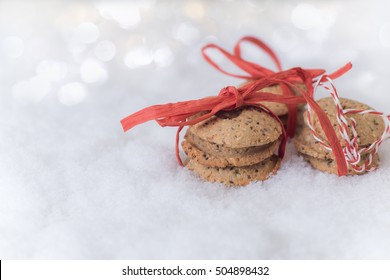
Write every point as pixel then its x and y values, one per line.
pixel 74 186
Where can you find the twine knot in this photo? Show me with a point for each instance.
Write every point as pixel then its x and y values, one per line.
pixel 233 91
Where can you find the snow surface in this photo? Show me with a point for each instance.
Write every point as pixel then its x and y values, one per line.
pixel 74 186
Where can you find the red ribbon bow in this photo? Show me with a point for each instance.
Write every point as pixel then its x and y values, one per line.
pixel 178 114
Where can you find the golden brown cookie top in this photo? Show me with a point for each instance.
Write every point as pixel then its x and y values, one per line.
pixel 279 109
pixel 368 126
pixel 239 128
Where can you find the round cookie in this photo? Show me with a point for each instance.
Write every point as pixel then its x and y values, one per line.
pixel 368 126
pixel 306 144
pixel 330 165
pixel 239 128
pixel 279 108
pixel 236 176
pixel 212 160
pixel 222 150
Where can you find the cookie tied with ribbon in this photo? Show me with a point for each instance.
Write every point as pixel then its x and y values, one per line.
pixel 234 147
pixel 217 154
pixel 359 128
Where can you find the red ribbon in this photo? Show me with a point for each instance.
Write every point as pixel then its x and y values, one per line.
pixel 178 114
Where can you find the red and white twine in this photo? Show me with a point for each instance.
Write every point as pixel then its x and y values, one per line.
pixel 351 151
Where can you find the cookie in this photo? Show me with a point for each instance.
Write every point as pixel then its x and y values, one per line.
pixel 239 128
pixel 233 158
pixel 368 126
pixel 236 176
pixel 330 165
pixel 306 144
pixel 222 150
pixel 279 109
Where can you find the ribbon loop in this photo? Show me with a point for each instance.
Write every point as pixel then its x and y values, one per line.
pixel 261 45
pixel 254 70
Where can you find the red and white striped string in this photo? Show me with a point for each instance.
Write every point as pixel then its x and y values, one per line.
pixel 351 151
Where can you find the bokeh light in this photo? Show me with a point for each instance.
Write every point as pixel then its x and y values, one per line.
pixel 140 56
pixel 52 70
pixel 95 43
pixel 186 33
pixel 92 71
pixel 306 16
pixel 163 56
pixel 105 50
pixel 86 32
pixel 72 93
pixel 126 14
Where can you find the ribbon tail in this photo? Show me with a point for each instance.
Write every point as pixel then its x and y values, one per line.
pixel 177 150
pixel 341 71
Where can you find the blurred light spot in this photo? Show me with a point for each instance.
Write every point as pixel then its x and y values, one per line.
pixel 92 71
pixel 284 38
pixel 33 89
pixel 186 33
pixel 384 35
pixel 52 70
pixel 75 47
pixel 194 10
pixel 72 93
pixel 306 16
pixel 139 57
pixel 86 32
pixel 13 47
pixel 126 14
pixel 146 4
pixel 163 57
pixel 105 50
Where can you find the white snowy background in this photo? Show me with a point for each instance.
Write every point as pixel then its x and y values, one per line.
pixel 74 186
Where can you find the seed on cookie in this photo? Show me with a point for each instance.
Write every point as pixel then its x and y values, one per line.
pixel 236 176
pixel 329 165
pixel 368 126
pixel 232 157
pixel 246 127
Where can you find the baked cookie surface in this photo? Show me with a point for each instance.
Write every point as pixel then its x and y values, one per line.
pixel 236 176
pixel 368 126
pixel 306 144
pixel 279 109
pixel 256 155
pixel 222 150
pixel 239 128
pixel 330 165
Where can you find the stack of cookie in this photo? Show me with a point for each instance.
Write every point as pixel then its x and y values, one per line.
pixel 368 128
pixel 234 147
